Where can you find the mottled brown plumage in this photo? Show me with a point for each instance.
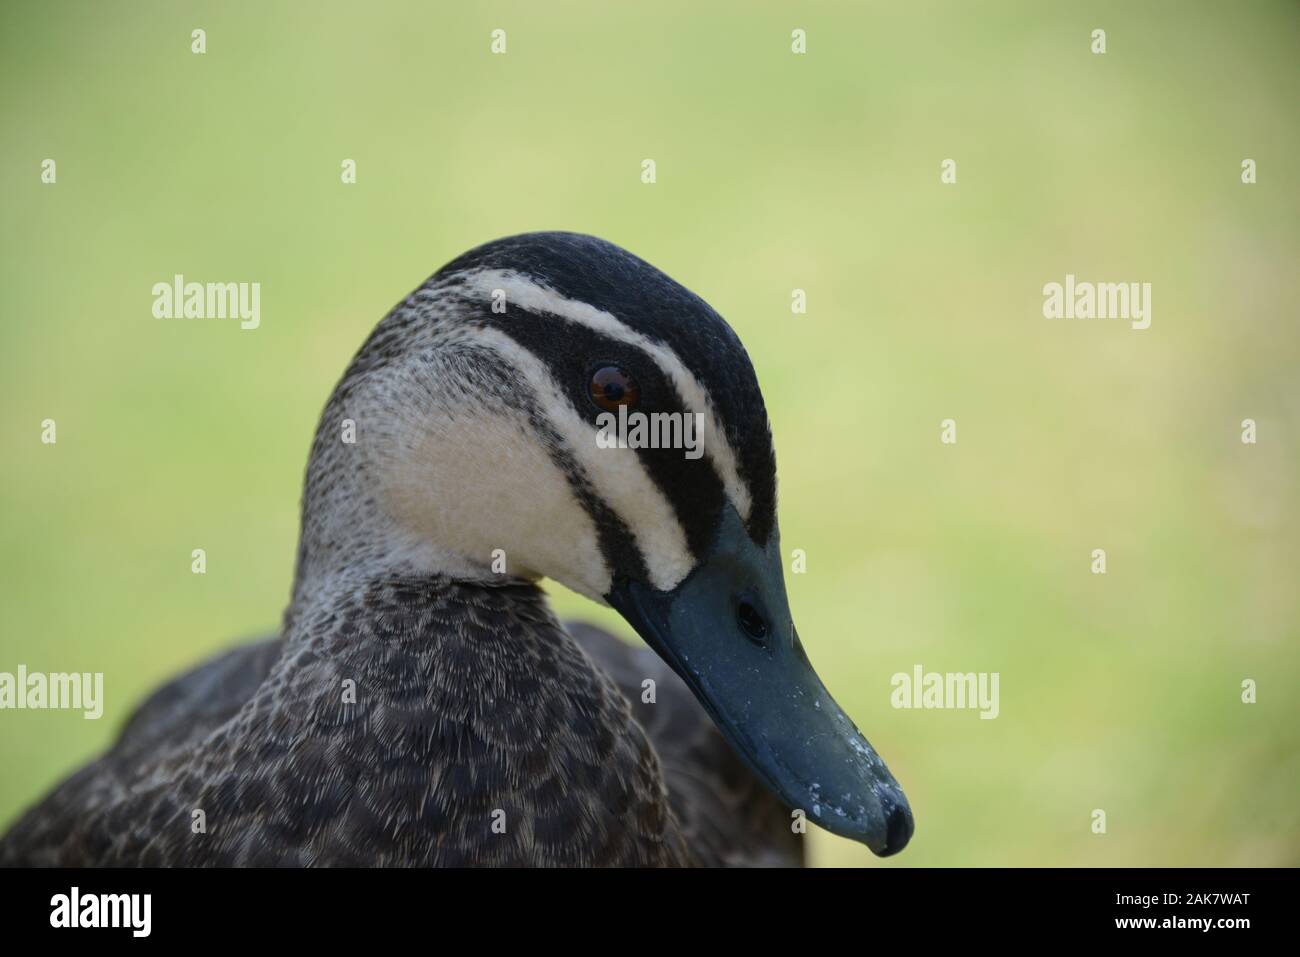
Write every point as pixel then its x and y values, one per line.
pixel 469 700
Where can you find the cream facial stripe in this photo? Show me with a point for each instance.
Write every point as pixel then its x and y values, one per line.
pixel 525 292
pixel 616 475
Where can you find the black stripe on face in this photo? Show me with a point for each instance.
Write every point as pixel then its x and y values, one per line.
pixel 572 353
pixel 593 271
pixel 486 375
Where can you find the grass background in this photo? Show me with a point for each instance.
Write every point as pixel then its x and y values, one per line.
pixel 775 171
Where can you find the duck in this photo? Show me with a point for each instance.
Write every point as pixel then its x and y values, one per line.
pixel 422 705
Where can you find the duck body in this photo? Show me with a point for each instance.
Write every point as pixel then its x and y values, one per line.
pixel 481 733
pixel 421 705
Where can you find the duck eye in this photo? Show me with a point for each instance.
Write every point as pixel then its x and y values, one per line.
pixel 612 388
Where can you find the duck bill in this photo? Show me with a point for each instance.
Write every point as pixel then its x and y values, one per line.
pixel 762 692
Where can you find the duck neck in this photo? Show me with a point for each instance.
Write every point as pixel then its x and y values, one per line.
pixel 347 538
pixel 472 706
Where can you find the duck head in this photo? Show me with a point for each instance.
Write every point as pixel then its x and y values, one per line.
pixel 496 414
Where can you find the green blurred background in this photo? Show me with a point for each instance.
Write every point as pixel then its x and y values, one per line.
pixel 775 172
